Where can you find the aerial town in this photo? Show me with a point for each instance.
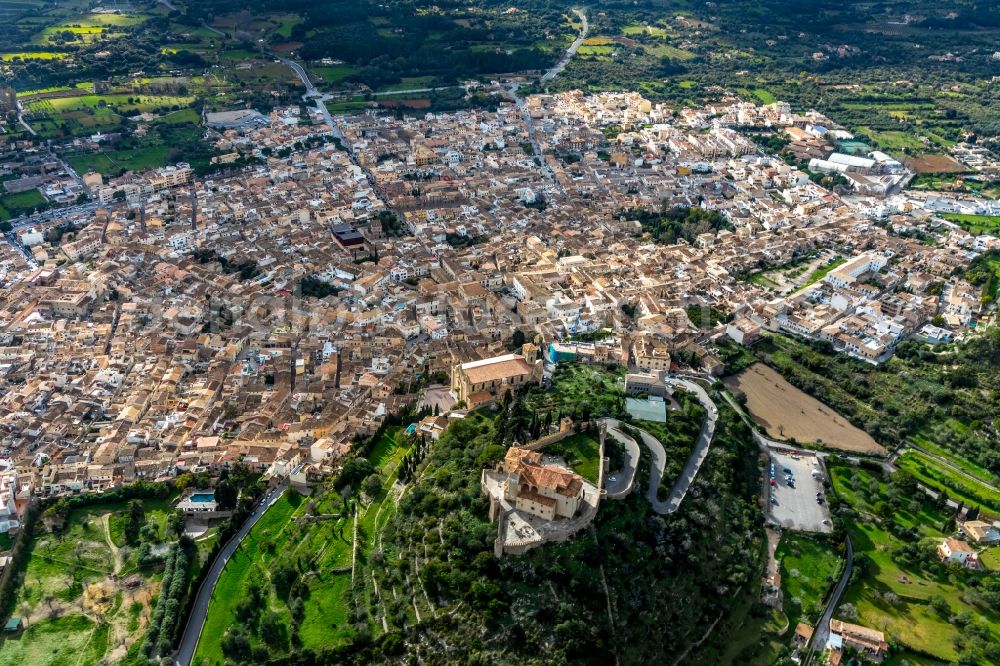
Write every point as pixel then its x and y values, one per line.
pixel 274 315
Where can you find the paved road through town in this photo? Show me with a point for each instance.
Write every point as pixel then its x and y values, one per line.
pixel 196 621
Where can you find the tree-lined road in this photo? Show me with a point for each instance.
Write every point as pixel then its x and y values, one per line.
pixel 822 634
pixel 561 65
pixel 196 621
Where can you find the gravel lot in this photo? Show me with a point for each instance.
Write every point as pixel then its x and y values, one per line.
pixel 797 508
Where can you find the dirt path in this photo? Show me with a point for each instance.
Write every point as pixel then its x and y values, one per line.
pixel 115 552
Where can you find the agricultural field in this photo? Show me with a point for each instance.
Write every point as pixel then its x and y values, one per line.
pixel 899 586
pixel 935 163
pixel 668 51
pixel 596 46
pixel 58 114
pixel 637 29
pixel 964 464
pixel 88 29
pixel 32 55
pixel 809 568
pixel 787 413
pixel 958 486
pixel 920 391
pixel 120 103
pixel 89 589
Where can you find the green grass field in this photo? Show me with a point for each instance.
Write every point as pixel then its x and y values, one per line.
pixel 939 477
pixel 112 163
pixel 764 96
pixel 326 547
pixel 574 386
pixel 333 73
pixel 285 24
pixel 976 224
pixel 809 568
pixel 643 29
pixel 22 203
pixel 411 82
pixel 61 565
pixel 892 140
pixel 823 271
pixel 911 621
pixel 668 51
pixel 119 103
pixel 908 617
pixel 235 577
pixel 581 452
pixel 972 468
pixel 65 641
pixel 991 558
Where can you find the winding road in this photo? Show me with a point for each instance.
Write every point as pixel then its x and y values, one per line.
pixel 196 621
pixel 659 455
pixel 623 478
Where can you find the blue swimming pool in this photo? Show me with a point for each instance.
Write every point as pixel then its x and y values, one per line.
pixel 202 498
pixel 410 429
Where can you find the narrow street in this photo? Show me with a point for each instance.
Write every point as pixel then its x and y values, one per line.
pixel 196 621
pixel 822 633
pixel 548 76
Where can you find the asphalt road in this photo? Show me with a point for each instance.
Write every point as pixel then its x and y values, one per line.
pixel 196 621
pixel 659 456
pixel 624 477
pixel 559 66
pixel 700 451
pixel 822 633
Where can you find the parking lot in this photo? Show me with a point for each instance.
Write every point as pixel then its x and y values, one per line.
pixel 796 507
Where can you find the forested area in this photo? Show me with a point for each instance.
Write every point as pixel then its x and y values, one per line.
pixel 669 225
pixel 667 577
pixel 394 40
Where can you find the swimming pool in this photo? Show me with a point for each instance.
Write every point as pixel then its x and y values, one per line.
pixel 410 429
pixel 202 498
